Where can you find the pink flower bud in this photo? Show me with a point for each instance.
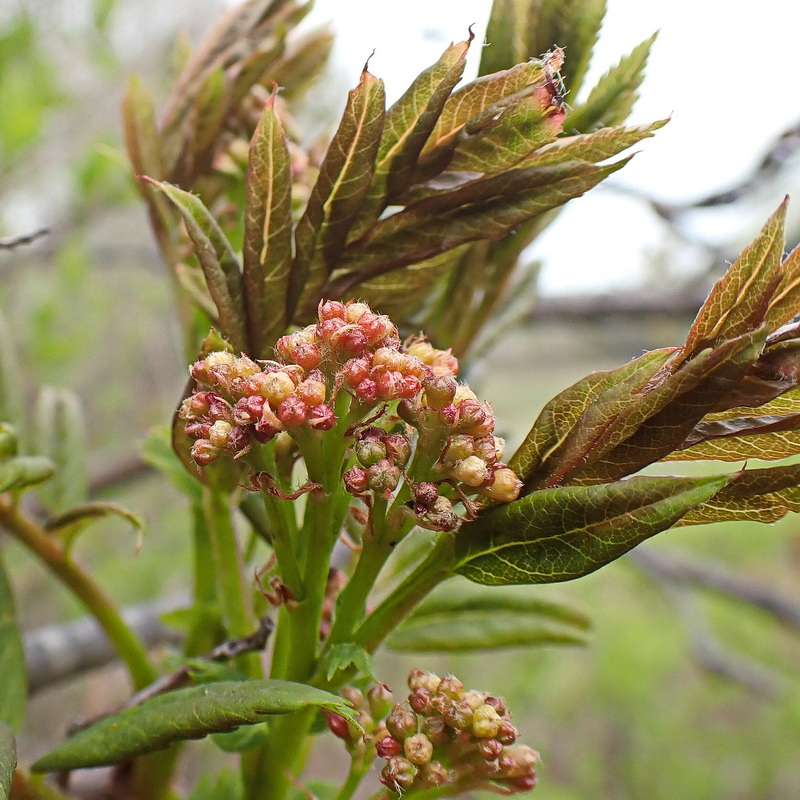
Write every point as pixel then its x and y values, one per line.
pixel 490 749
pixel 355 370
pixel 389 384
pixel 375 327
pixel 264 431
pixel 204 453
pixel 348 340
pixel 398 449
pixel 328 327
pixel 411 387
pixel 356 480
pixel 331 309
pixel 292 412
pixel 321 417
pixel 448 415
pixel 367 391
pixel 388 747
pixel 248 410
pixel 508 734
pixel 198 429
pixel 420 701
pixel 311 392
pixel 355 311
pixel 337 724
pixel 307 355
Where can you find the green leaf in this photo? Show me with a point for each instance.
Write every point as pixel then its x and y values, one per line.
pixel 8 760
pixel 561 420
pixel 267 250
pixel 466 618
pixel 12 407
pixel 158 453
pixel 244 738
pixel 61 436
pixel 344 181
pixel 22 472
pixel 346 654
pixel 184 714
pixel 217 259
pixel 505 34
pixel 227 785
pixel 786 299
pixel 208 117
pixel 740 300
pixel 423 230
pixel 562 534
pixel 14 685
pixel 612 99
pixel 69 524
pixel 9 442
pixel 302 63
pixel 141 134
pixel 408 125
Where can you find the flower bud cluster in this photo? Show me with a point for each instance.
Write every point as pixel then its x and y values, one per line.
pixel 381 459
pixel 248 401
pixel 371 708
pixel 446 736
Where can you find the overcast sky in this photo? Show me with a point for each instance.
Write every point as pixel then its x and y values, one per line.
pixel 726 72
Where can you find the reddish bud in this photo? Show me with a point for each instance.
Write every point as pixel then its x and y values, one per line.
pixel 248 410
pixel 411 387
pixel 331 309
pixel 355 370
pixel 490 749
pixel 375 327
pixel 388 747
pixel 311 392
pixel 367 391
pixel 328 327
pixel 389 384
pixel 355 311
pixel 356 480
pixel 349 339
pixel 321 417
pixel 203 452
pixel 198 429
pixel 425 493
pixel 307 355
pixel 292 412
pixel 398 448
pixel 508 733
pixel 338 725
pixel 398 774
pixel 420 701
pixel 448 415
pixel 401 723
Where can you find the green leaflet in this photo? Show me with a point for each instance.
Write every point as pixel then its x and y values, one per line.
pixel 348 654
pixel 344 180
pixel 466 618
pixel 740 300
pixel 562 534
pixel 184 714
pixel 141 135
pixel 419 234
pixel 217 259
pixel 611 100
pixel 61 436
pixel 408 124
pixel 22 472
pixel 267 250
pixel 8 760
pixel 13 686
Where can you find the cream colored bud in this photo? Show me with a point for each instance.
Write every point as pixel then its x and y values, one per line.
pixel 424 351
pixel 275 386
pixel 472 470
pixel 220 433
pixel 354 311
pixel 463 392
pixel 474 699
pixel 486 722
pixel 506 486
pixel 418 749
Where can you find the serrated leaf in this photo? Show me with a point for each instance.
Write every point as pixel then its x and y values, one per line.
pixel 267 250
pixel 593 147
pixel 8 760
pixel 219 263
pixel 61 436
pixel 23 472
pixel 184 714
pixel 612 99
pixel 740 300
pixel 466 618
pixel 342 186
pixel 421 234
pixel 158 453
pixel 562 534
pixel 573 25
pixel 14 684
pixel 559 420
pixel 408 125
pixel 11 395
pixel 348 654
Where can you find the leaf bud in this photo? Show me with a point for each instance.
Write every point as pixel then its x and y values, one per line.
pixel 356 480
pixel 383 476
pixel 398 774
pixel 321 417
pixel 418 749
pixel 486 722
pixel 388 747
pixel 379 698
pixel 402 722
pixel 292 412
pixel 472 471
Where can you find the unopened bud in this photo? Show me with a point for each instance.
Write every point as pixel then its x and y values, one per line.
pixel 401 723
pixel 486 722
pixel 220 434
pixel 356 480
pixel 419 679
pixel 472 471
pixel 458 714
pixel 490 749
pixel 383 476
pixel 418 749
pixel 505 487
pixel 311 392
pixel 379 698
pixel 398 448
pixel 321 417
pixel 434 773
pixel 398 774
pixel 204 453
pixel 367 391
pixel 331 309
pixel 349 339
pixel 370 450
pixel 388 747
pixel 440 390
pixel 354 311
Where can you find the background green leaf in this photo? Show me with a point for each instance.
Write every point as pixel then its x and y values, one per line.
pixel 14 682
pixel 8 760
pixel 184 714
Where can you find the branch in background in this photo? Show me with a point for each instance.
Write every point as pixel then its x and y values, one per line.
pixel 689 572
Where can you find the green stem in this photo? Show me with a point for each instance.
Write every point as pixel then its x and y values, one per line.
pixel 283 547
pixel 358 769
pixel 201 637
pixel 235 599
pixel 49 549
pixel 34 787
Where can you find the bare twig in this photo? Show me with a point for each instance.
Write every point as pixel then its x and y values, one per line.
pixel 10 242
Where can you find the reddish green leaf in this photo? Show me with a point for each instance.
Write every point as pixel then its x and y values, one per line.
pixel 14 685
pixel 184 714
pixel 612 99
pixel 562 534
pixel 218 261
pixel 302 63
pixel 340 191
pixel 785 302
pixel 141 135
pixel 422 231
pixel 267 250
pixel 739 301
pixel 505 35
pixel 209 110
pixel 409 123
pixel 8 760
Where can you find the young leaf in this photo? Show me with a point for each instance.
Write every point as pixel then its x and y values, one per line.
pixel 786 300
pixel 301 64
pixel 184 714
pixel 61 436
pixel 141 134
pixel 13 686
pixel 740 300
pixel 466 618
pixel 220 265
pixel 346 654
pixel 562 534
pixel 504 45
pixel 8 760
pixel 267 250
pixel 23 472
pixel 612 99
pixel 344 180
pixel 408 125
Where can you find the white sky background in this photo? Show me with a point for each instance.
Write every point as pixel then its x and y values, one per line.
pixel 727 73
